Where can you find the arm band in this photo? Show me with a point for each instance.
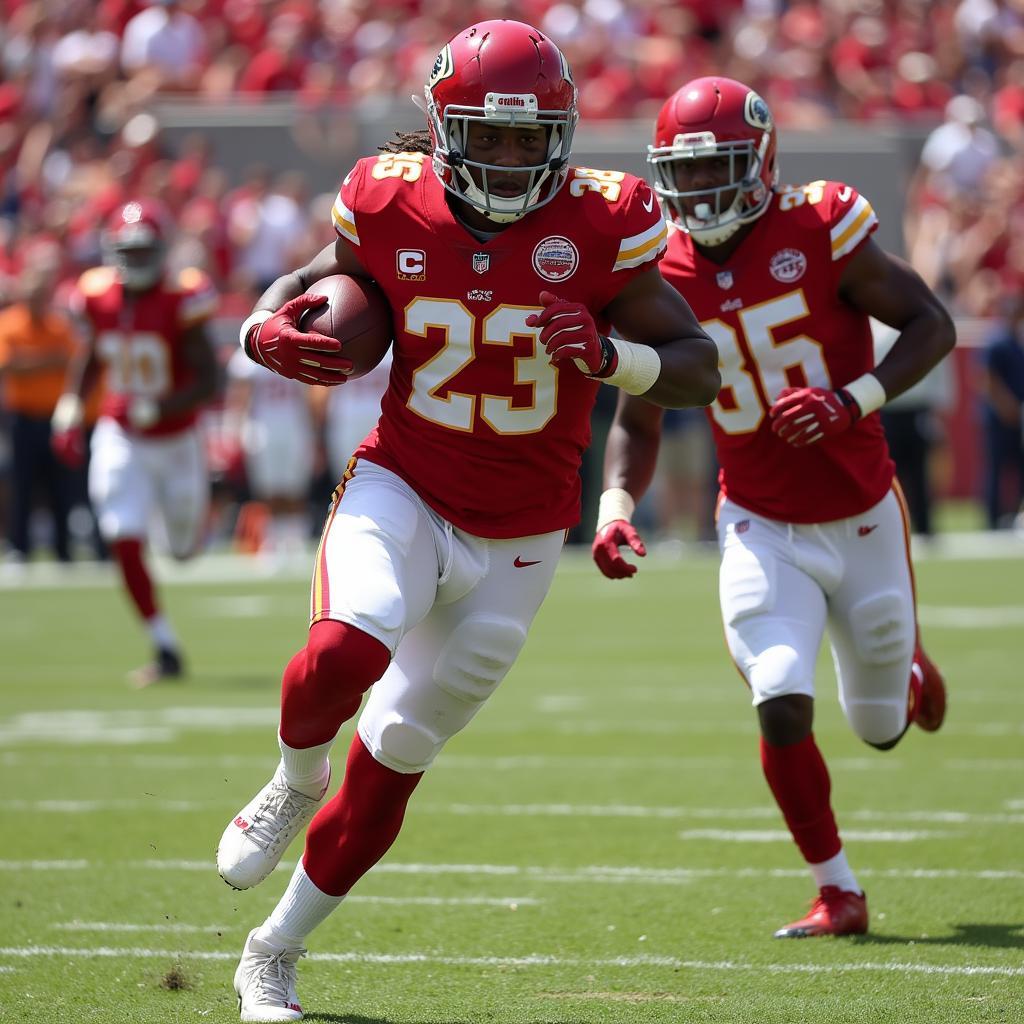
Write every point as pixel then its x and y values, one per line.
pixel 638 369
pixel 67 413
pixel 867 392
pixel 615 503
pixel 258 316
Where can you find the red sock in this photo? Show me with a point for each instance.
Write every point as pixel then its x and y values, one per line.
pixel 128 554
pixel 799 780
pixel 324 683
pixel 354 830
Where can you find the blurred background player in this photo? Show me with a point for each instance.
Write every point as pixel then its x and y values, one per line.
pixel 504 268
pixel 272 417
pixel 811 528
pixel 145 332
pixel 37 345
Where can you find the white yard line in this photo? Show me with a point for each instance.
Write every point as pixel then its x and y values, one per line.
pixel 538 873
pixel 937 817
pixel 533 960
pixel 723 835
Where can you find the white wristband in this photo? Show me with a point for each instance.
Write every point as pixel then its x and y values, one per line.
pixel 867 392
pixel 258 316
pixel 615 503
pixel 638 369
pixel 67 413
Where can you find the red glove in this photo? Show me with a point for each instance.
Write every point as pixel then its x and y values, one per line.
pixel 803 416
pixel 280 346
pixel 69 446
pixel 568 331
pixel 605 549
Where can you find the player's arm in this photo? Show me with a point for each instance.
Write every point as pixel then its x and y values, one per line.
pixel 199 354
pixel 630 457
pixel 666 356
pixel 883 286
pixel 649 311
pixel 271 335
pixel 67 431
pixel 880 285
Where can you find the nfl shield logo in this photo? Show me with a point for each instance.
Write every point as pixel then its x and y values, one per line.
pixel 481 262
pixel 724 278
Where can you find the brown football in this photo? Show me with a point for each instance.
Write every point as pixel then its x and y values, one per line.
pixel 357 314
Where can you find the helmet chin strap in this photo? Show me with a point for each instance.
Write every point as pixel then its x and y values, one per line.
pixel 501 211
pixel 716 233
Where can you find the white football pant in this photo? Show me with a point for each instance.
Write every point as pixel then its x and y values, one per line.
pixel 781 583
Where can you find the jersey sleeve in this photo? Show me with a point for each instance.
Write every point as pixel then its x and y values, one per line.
pixel 199 299
pixel 343 214
pixel 641 235
pixel 851 221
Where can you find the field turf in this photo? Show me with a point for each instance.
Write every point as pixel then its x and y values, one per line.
pixel 598 846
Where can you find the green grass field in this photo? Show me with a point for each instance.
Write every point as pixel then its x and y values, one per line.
pixel 598 846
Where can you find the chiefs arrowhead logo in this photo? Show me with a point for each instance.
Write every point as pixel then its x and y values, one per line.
pixel 242 823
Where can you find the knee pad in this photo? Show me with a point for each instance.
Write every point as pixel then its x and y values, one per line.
pixel 399 744
pixel 778 672
pixel 477 656
pixel 882 629
pixel 879 723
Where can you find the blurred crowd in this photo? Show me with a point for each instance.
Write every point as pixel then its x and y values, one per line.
pixel 80 81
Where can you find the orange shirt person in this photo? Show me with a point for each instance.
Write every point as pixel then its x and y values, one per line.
pixel 36 345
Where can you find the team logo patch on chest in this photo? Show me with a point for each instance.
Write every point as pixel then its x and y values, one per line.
pixel 788 265
pixel 481 262
pixel 555 258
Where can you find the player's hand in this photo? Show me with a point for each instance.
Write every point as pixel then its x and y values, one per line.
pixel 280 346
pixel 605 549
pixel 568 331
pixel 69 446
pixel 804 416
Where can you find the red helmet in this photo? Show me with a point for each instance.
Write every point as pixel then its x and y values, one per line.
pixel 505 73
pixel 134 242
pixel 708 118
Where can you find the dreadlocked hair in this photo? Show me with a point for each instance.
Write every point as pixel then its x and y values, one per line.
pixel 409 142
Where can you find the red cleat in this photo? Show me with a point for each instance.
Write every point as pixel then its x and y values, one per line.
pixel 834 912
pixel 927 693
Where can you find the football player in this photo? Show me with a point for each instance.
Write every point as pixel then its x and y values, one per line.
pixel 505 268
pixel 273 418
pixel 811 524
pixel 146 335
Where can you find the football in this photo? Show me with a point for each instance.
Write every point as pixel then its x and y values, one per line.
pixel 357 314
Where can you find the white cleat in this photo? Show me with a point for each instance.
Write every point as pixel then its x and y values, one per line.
pixel 265 982
pixel 254 842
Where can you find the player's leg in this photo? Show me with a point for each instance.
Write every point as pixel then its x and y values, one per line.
pixel 121 491
pixel 445 670
pixel 872 627
pixel 375 576
pixel 774 616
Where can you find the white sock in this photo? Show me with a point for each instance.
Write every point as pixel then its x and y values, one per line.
pixel 835 871
pixel 302 907
pixel 307 769
pixel 161 634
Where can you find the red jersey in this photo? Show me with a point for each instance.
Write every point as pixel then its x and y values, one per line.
pixel 774 311
pixel 475 417
pixel 139 338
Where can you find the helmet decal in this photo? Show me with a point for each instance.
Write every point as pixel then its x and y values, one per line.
pixel 443 67
pixel 756 112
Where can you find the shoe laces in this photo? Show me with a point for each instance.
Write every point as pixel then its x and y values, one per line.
pixel 273 975
pixel 278 813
